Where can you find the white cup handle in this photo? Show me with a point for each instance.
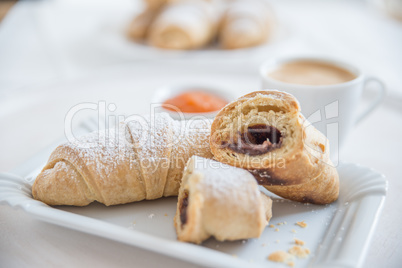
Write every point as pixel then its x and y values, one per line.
pixel 376 101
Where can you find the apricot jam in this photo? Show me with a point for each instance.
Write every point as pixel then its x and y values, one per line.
pixel 195 102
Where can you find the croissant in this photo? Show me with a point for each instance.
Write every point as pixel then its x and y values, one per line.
pixel 141 159
pixel 155 4
pixel 245 24
pixel 139 27
pixel 184 25
pixel 265 133
pixel 221 201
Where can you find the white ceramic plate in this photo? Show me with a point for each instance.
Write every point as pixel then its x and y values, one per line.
pixel 338 235
pixel 110 38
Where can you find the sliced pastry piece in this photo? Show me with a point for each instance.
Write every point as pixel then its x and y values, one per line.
pixel 221 201
pixel 265 133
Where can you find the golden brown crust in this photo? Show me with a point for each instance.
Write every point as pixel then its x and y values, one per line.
pixel 118 170
pixel 323 189
pixel 291 103
pixel 299 169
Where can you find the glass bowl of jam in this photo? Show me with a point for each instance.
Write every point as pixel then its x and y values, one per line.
pixel 186 101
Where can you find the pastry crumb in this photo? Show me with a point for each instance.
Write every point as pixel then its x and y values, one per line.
pixel 166 214
pixel 299 251
pixel 301 224
pixel 293 231
pixel 291 263
pixel 131 227
pixel 299 242
pixel 276 230
pixel 263 245
pixel 271 226
pixel 281 256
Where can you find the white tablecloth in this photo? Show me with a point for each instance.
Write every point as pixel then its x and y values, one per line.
pixel 55 42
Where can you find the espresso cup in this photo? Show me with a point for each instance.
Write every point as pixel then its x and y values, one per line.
pixel 328 100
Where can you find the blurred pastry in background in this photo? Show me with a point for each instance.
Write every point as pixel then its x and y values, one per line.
pixel 245 23
pixel 139 27
pixel 394 8
pixel 187 24
pixel 156 4
pixel 193 24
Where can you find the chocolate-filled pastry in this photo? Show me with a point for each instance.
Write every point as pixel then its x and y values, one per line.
pixel 184 25
pixel 141 159
pixel 265 133
pixel 246 23
pixel 221 201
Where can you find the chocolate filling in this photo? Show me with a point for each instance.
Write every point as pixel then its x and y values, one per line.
pixel 257 140
pixel 183 209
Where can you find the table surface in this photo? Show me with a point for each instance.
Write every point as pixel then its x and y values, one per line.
pixel 37 51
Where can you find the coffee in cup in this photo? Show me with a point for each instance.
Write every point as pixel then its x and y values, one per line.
pixel 329 92
pixel 312 73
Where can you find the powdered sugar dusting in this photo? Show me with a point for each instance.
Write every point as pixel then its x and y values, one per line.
pixel 257 12
pixel 103 150
pixel 225 180
pixel 188 15
pixel 152 142
pixel 135 158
